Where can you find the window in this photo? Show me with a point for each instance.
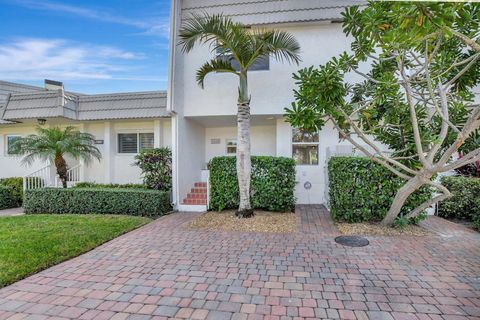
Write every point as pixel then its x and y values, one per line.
pixel 231 146
pixel 305 147
pixel 134 142
pixel 10 141
pixel 262 63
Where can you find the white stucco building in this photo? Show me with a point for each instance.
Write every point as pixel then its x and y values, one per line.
pixel 198 124
pixel 204 120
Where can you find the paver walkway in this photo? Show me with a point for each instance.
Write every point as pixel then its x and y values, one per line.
pixel 11 212
pixel 164 270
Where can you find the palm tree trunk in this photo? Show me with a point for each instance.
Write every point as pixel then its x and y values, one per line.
pixel 61 166
pixel 243 148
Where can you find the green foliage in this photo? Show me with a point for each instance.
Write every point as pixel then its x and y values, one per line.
pixel 49 143
pixel 135 202
pixel 464 203
pixel 16 189
pixel 32 243
pixel 236 43
pixel 156 166
pixel 110 185
pixel 398 31
pixel 362 190
pixel 272 184
pixel 7 200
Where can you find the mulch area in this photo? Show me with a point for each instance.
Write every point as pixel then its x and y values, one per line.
pixel 263 221
pixel 370 229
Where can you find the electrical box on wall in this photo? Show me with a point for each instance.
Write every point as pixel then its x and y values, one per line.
pixel 215 141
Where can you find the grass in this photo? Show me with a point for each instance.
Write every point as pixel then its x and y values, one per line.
pixel 31 243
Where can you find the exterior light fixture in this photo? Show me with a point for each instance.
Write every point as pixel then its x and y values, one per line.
pixel 41 121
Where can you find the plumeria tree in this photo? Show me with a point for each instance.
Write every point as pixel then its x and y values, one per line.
pixel 236 49
pixel 418 65
pixel 53 144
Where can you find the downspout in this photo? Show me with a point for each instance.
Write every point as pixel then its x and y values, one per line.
pixel 174 14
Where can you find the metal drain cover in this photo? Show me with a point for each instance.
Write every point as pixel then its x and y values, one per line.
pixel 352 241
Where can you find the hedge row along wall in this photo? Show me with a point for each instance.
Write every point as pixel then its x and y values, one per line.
pixel 465 200
pixel 362 190
pixel 11 195
pixel 135 202
pixel 272 184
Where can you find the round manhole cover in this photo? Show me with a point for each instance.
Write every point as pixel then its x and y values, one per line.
pixel 352 241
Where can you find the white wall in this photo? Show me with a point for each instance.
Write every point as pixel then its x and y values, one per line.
pixel 263 141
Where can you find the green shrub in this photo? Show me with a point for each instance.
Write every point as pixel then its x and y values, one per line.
pixel 464 203
pixel 7 198
pixel 16 189
pixel 156 166
pixel 110 185
pixel 135 202
pixel 272 184
pixel 362 190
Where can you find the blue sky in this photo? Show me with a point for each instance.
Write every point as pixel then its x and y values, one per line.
pixel 92 46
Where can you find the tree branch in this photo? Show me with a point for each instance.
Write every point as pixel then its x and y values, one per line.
pixel 470 157
pixel 413 115
pixel 446 194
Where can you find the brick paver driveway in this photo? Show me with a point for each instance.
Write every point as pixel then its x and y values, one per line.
pixel 163 270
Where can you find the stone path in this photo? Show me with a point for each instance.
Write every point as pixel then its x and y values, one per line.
pixel 11 212
pixel 164 270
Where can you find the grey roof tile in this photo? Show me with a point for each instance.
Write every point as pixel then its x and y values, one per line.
pixel 258 12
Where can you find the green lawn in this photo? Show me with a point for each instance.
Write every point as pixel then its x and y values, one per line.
pixel 31 243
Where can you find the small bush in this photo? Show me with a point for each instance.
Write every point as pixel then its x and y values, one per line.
pixel 156 166
pixel 110 185
pixel 272 183
pixel 362 190
pixel 135 202
pixel 16 188
pixel 465 200
pixel 7 198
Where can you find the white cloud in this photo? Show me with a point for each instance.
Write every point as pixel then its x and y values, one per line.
pixel 157 26
pixel 33 59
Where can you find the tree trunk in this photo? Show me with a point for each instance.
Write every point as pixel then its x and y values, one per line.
pixel 243 148
pixel 402 195
pixel 61 166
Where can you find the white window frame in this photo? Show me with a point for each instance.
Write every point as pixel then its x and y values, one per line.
pixel 317 144
pixel 6 144
pixel 137 132
pixel 226 146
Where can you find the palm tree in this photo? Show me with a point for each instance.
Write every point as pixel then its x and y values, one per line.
pixel 237 48
pixel 53 144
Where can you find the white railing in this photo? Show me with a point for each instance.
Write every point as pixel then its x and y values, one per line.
pixel 39 179
pixel 73 176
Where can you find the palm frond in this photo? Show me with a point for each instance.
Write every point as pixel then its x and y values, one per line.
pixel 214 65
pixel 51 142
pixel 280 44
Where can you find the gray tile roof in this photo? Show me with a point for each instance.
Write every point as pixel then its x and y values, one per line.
pixel 40 103
pixel 258 12
pixel 123 106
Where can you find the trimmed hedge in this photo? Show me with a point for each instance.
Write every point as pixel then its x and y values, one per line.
pixel 7 198
pixel 465 200
pixel 110 185
pixel 272 183
pixel 362 190
pixel 15 184
pixel 135 202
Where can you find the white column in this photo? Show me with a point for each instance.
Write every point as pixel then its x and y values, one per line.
pixel 108 147
pixel 82 171
pixel 157 133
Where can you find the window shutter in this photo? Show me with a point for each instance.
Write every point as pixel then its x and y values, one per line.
pixel 146 141
pixel 127 143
